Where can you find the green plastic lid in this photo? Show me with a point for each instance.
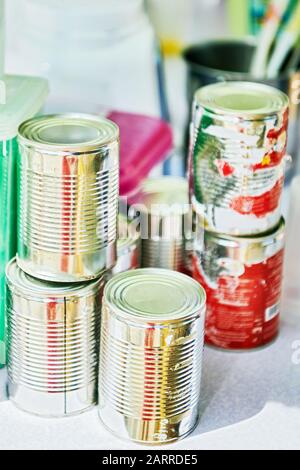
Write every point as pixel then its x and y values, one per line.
pixel 243 99
pixel 20 99
pixel 154 295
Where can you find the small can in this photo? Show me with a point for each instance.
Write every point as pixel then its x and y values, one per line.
pixel 238 156
pixel 163 210
pixel 152 334
pixel 68 197
pixel 53 344
pixel 128 246
pixel 242 278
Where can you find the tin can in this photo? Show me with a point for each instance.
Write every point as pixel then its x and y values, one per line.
pixel 151 352
pixel 164 214
pixel 238 156
pixel 53 344
pixel 128 246
pixel 242 278
pixel 68 197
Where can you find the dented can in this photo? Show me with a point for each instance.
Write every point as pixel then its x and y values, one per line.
pixel 68 197
pixel 242 277
pixel 238 156
pixel 152 333
pixel 163 212
pixel 128 246
pixel 53 337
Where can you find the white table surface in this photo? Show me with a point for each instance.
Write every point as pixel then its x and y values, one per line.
pixel 249 401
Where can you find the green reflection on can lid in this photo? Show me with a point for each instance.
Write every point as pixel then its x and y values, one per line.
pixel 154 295
pixel 73 132
pixel 32 287
pixel 243 99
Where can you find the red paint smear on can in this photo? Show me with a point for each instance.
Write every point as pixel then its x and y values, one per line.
pixel 274 157
pixel 224 168
pixel 243 312
pixel 276 133
pixel 261 205
pixel 270 160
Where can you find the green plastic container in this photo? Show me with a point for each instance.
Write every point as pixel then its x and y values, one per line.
pixel 23 97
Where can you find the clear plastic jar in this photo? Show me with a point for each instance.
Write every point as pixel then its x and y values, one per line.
pixel 94 53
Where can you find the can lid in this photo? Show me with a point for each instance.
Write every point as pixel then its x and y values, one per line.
pixel 265 239
pixel 154 295
pixel 68 132
pixel 19 281
pixel 242 99
pixel 164 196
pixel 20 99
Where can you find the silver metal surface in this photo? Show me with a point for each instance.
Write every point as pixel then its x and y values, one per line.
pixel 164 215
pixel 238 157
pixel 128 247
pixel 242 277
pixel 151 355
pixel 53 344
pixel 68 197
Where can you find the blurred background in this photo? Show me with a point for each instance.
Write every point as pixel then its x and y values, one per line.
pixel 128 55
pixel 99 53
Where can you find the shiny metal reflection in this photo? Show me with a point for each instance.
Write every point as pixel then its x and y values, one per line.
pixel 68 197
pixel 163 211
pixel 151 355
pixel 53 344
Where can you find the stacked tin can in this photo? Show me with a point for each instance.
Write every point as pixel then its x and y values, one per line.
pixel 152 334
pixel 237 165
pixel 162 212
pixel 67 232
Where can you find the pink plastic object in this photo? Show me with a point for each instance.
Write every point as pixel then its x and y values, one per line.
pixel 145 142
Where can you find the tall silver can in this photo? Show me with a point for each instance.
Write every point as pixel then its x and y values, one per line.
pixel 163 212
pixel 151 354
pixel 53 344
pixel 68 197
pixel 238 156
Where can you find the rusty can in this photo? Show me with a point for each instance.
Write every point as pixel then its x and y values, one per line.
pixel 238 156
pixel 242 277
pixel 53 344
pixel 163 211
pixel 152 333
pixel 128 246
pixel 68 197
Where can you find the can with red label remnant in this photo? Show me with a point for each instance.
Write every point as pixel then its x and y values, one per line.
pixel 242 278
pixel 238 156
